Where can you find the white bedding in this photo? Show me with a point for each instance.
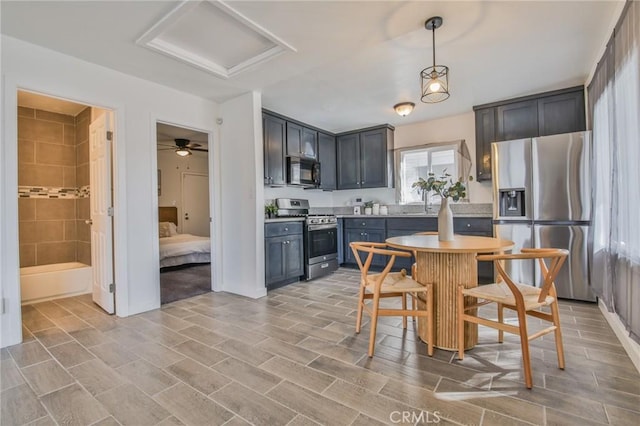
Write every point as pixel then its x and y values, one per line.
pixel 184 248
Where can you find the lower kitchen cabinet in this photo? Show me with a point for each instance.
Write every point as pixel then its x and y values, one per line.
pixel 481 227
pixel 397 227
pixel 284 253
pixel 364 230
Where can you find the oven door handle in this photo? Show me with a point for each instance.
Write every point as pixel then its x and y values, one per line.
pixel 320 227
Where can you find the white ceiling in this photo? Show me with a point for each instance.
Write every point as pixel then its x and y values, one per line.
pixel 352 60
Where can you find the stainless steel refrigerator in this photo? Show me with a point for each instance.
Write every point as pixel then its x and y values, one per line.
pixel 542 198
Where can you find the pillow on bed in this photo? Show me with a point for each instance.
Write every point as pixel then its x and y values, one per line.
pixel 173 230
pixel 164 229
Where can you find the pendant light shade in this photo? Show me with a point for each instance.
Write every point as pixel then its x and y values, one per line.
pixel 435 79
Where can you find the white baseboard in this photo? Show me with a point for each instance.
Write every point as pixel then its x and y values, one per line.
pixel 632 348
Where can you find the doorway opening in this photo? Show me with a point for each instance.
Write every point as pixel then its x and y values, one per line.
pixel 65 204
pixel 183 210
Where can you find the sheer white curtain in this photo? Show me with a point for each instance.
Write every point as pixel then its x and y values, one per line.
pixel 614 100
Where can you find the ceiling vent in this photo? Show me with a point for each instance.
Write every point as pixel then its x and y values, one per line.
pixel 213 36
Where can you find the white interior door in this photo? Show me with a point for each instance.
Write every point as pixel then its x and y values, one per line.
pixel 100 139
pixel 195 204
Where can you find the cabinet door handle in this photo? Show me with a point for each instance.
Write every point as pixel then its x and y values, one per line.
pixel 363 223
pixel 468 225
pixel 286 229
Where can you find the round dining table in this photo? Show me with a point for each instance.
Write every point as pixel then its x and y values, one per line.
pixel 447 264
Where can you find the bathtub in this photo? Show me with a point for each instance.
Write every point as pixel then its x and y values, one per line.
pixel 45 282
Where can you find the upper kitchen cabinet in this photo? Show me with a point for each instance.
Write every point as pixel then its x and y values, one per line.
pixel 365 158
pixel 327 159
pixel 563 113
pixel 549 113
pixel 301 141
pixel 274 131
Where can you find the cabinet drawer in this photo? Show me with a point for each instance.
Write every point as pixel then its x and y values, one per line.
pixel 482 225
pixel 282 228
pixel 415 224
pixel 364 223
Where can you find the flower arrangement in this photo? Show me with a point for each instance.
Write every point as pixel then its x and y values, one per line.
pixel 270 210
pixel 443 185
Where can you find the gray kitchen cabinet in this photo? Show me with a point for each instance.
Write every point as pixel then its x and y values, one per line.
pixel 398 227
pixel 301 141
pixel 365 158
pixel 327 159
pixel 274 131
pixel 364 230
pixel 549 113
pixel 481 227
pixel 284 255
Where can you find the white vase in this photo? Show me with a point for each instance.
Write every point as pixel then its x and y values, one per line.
pixel 368 210
pixel 445 221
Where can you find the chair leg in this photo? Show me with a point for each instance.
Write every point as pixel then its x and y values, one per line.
pixel 555 312
pixel 430 318
pixel 404 308
pixel 524 343
pixel 374 324
pixel 460 330
pixel 413 304
pixel 501 321
pixel 360 308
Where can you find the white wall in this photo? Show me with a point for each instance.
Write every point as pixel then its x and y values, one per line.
pixel 137 104
pixel 171 167
pixel 447 129
pixel 242 197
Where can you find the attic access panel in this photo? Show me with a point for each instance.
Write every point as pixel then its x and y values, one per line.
pixel 213 36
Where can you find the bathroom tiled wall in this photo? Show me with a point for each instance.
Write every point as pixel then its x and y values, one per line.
pixel 83 249
pixel 48 173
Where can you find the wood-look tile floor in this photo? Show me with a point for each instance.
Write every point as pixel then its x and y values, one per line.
pixel 293 358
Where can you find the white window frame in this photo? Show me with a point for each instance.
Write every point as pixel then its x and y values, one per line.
pixel 430 148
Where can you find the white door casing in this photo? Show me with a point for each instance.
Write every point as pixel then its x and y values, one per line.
pixel 195 204
pixel 101 208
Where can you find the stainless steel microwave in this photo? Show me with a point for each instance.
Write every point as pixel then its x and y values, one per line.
pixel 303 172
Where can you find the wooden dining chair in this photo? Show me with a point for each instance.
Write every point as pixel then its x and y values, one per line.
pixel 522 298
pixel 376 286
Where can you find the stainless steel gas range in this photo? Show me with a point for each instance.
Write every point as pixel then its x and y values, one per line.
pixel 320 237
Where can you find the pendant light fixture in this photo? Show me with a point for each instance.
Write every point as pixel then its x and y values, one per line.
pixel 435 79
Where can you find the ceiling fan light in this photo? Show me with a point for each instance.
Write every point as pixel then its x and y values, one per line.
pixel 183 152
pixel 404 108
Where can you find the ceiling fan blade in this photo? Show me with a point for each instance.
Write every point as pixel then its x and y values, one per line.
pixel 192 145
pixel 199 149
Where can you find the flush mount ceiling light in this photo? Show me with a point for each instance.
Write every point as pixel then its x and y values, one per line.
pixel 435 79
pixel 404 108
pixel 183 152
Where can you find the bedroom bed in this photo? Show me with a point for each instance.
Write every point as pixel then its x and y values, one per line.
pixel 180 249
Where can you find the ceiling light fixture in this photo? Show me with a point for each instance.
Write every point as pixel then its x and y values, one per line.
pixel 404 108
pixel 435 79
pixel 183 152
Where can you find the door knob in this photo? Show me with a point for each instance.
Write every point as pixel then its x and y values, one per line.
pixel 89 222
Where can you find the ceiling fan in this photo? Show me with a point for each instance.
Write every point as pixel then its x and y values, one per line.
pixel 182 147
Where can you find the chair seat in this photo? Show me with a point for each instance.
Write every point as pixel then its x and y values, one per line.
pixel 500 293
pixel 395 282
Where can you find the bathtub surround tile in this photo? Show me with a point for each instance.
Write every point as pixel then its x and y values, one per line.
pixel 55 116
pixel 39 174
pixel 26 152
pixel 82 153
pixel 27 255
pixel 55 154
pixel 55 209
pixel 48 131
pixel 70 233
pixel 57 252
pixel 83 251
pixel 69 134
pixel 50 230
pixel 82 175
pixel 26 209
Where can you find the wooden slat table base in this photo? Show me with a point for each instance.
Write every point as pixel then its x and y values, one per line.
pixel 446 271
